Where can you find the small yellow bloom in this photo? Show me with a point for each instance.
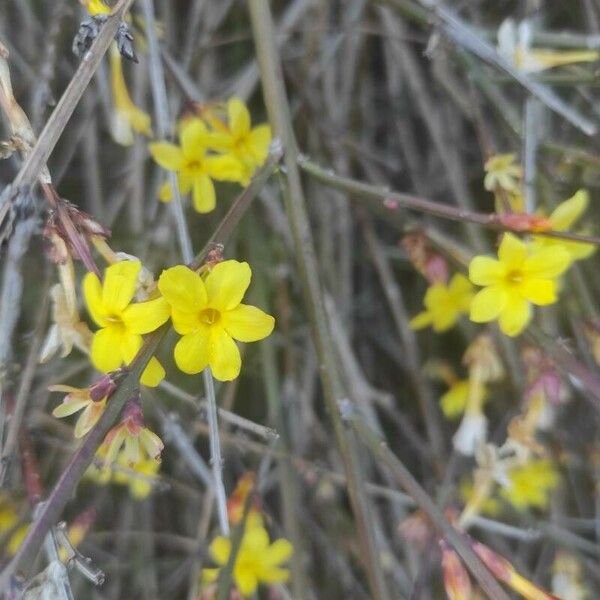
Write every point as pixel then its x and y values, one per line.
pixel 258 561
pixel 136 440
pixel 122 322
pixel 96 7
pixel 564 216
pixel 77 399
pixel 522 276
pixel 209 314
pixel 249 145
pixel 195 168
pixel 126 117
pixel 444 304
pixel 502 173
pixel 530 484
pixel 454 401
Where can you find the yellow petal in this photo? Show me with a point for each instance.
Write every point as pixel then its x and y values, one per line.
pixel 539 291
pixel 460 285
pixel 245 579
pixel 239 117
pixel 422 320
pixel 183 289
pixel 484 270
pixel 167 155
pixel 223 356
pixel 165 193
pixel 567 213
pixel 224 168
pixel 273 575
pixel 219 549
pixel 89 417
pixel 515 316
pixel 68 407
pixel 279 551
pixel 192 351
pixel 105 351
pixel 92 292
pixel 204 194
pixel 512 251
pixel 547 263
pixel 453 402
pixel 186 182
pixel 130 345
pixel 258 142
pixel 247 323
pixel 193 136
pixel 185 322
pixel 227 283
pixel 488 304
pixel 153 374
pixel 210 575
pixel 120 281
pixel 144 317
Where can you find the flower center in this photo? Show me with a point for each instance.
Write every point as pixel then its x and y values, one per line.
pixel 210 316
pixel 114 320
pixel 514 276
pixel 194 166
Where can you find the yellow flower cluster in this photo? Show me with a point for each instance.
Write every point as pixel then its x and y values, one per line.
pixel 213 148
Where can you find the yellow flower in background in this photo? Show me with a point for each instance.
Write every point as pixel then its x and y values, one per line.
pixel 444 304
pixel 520 277
pixel 209 314
pixel 501 172
pixel 122 322
pixel 249 145
pixel 96 7
pixel 530 485
pixel 126 116
pixel 258 560
pixel 195 168
pixel 563 217
pixel 79 399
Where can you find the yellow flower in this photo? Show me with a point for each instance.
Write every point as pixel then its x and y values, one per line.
pixel 208 313
pixel 194 167
pixel 530 484
pixel 249 145
pixel 502 173
pixel 92 400
pixel 126 116
pixel 96 7
pixel 258 561
pixel 520 277
pixel 122 322
pixel 562 218
pixel 444 304
pixel 136 440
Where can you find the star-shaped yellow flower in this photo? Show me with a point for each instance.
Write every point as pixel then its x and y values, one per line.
pixel 530 484
pixel 520 277
pixel 209 314
pixel 121 321
pixel 444 304
pixel 258 561
pixel 249 145
pixel 195 168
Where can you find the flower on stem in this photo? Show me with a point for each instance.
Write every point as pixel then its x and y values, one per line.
pixel 258 560
pixel 195 168
pixel 67 330
pixel 501 173
pixel 91 400
pixel 122 322
pixel 126 116
pixel 237 138
pixel 520 277
pixel 514 44
pixel 530 484
pixel 562 218
pixel 209 314
pixel 444 304
pixel 135 440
